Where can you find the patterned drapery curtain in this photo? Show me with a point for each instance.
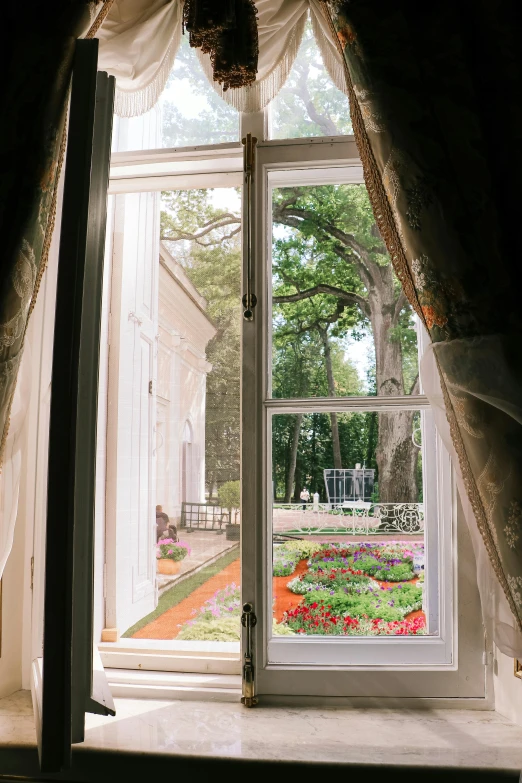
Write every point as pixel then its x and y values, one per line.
pixel 438 122
pixel 37 57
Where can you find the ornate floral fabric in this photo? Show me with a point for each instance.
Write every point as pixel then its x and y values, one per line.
pixel 38 52
pixel 434 96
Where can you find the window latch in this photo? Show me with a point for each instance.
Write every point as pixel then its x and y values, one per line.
pixel 248 621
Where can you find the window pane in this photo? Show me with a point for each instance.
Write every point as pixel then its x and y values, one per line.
pixel 193 113
pixel 348 524
pixel 341 325
pixel 197 420
pixel 309 104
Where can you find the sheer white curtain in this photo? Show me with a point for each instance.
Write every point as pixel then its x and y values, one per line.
pixel 498 618
pixel 12 462
pixel 139 41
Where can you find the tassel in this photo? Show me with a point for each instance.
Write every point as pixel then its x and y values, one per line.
pixel 227 31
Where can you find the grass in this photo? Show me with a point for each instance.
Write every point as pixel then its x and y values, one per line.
pixel 178 592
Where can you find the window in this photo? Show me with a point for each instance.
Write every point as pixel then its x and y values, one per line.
pixel 305 429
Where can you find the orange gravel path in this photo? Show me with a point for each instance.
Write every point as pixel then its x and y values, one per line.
pixel 284 599
pixel 167 625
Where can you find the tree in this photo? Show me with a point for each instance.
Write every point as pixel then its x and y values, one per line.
pixel 229 497
pixel 309 104
pixel 214 123
pixel 332 278
pixel 334 259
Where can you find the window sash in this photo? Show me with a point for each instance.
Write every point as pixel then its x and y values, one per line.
pixel 282 163
pixel 194 167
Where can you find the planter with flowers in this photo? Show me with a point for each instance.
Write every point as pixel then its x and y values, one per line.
pixel 169 554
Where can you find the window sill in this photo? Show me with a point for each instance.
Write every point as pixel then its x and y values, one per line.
pixel 156 732
pixel 172 656
pixel 133 684
pixel 385 736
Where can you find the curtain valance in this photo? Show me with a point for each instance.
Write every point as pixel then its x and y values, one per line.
pixel 139 41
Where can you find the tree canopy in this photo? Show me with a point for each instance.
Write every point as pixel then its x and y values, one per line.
pixel 333 286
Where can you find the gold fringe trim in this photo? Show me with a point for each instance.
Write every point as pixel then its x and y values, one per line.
pixel 107 4
pixel 257 96
pixel 381 207
pixel 386 224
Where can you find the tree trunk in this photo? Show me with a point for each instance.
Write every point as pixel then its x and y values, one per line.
pixel 293 458
pixel 396 454
pixel 297 484
pixel 331 393
pixel 397 458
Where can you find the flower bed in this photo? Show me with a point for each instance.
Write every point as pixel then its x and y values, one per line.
pixel 219 619
pixel 346 588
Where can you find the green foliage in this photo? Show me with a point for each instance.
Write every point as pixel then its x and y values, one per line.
pixel 283 566
pixel 286 556
pixel 309 104
pixel 212 629
pixel 300 548
pixel 388 605
pixel 229 495
pixel 216 121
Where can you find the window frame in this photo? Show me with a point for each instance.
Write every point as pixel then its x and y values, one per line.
pixel 423 682
pixel 279 163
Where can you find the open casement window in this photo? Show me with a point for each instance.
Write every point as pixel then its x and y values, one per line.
pixel 68 679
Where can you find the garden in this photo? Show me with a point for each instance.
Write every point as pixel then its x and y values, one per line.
pixel 325 588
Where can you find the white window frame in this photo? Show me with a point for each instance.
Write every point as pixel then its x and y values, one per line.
pixel 221 166
pixel 313 162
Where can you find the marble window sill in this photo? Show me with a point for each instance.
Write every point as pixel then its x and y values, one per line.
pixel 473 739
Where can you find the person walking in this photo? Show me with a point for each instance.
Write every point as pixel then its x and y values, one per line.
pixel 305 497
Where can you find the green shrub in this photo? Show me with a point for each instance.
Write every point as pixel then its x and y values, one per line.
pixel 283 567
pixel 391 604
pixel 213 629
pixel 301 549
pixel 222 629
pixel 229 495
pixel 281 629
